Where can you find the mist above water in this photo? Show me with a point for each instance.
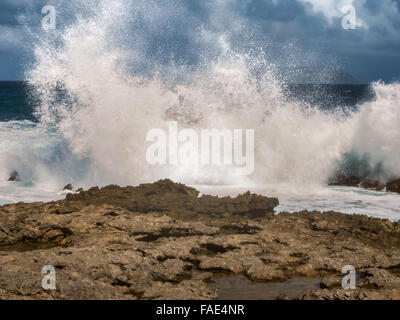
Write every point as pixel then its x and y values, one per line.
pixel 114 70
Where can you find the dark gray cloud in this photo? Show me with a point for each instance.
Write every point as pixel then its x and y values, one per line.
pixel 292 31
pixel 9 11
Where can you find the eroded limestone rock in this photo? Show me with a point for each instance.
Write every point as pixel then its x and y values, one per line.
pixel 163 241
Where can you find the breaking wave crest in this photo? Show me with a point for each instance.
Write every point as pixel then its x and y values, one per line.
pixel 103 83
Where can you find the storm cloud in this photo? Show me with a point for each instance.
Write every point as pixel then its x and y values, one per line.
pixel 299 32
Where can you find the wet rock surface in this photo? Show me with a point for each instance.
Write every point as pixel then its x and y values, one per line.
pixel 68 187
pixel 366 183
pixel 14 176
pixel 164 241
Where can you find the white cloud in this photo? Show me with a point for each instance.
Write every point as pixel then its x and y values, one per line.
pixel 333 9
pixel 385 11
pixel 329 8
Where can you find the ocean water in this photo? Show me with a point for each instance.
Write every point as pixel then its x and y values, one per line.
pixel 89 99
pixel 45 162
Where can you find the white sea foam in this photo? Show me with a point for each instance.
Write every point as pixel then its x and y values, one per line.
pixel 377 135
pixel 111 98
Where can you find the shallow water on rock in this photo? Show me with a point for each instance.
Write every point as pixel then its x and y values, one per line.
pixel 340 199
pixel 241 288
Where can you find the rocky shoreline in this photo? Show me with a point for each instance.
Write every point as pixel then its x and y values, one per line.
pixel 163 241
pixel 366 183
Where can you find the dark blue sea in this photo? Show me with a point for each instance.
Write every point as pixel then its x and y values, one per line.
pixel 17 99
pixel 48 157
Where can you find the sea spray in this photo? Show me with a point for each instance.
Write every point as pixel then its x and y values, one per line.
pixel 377 135
pixel 103 93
